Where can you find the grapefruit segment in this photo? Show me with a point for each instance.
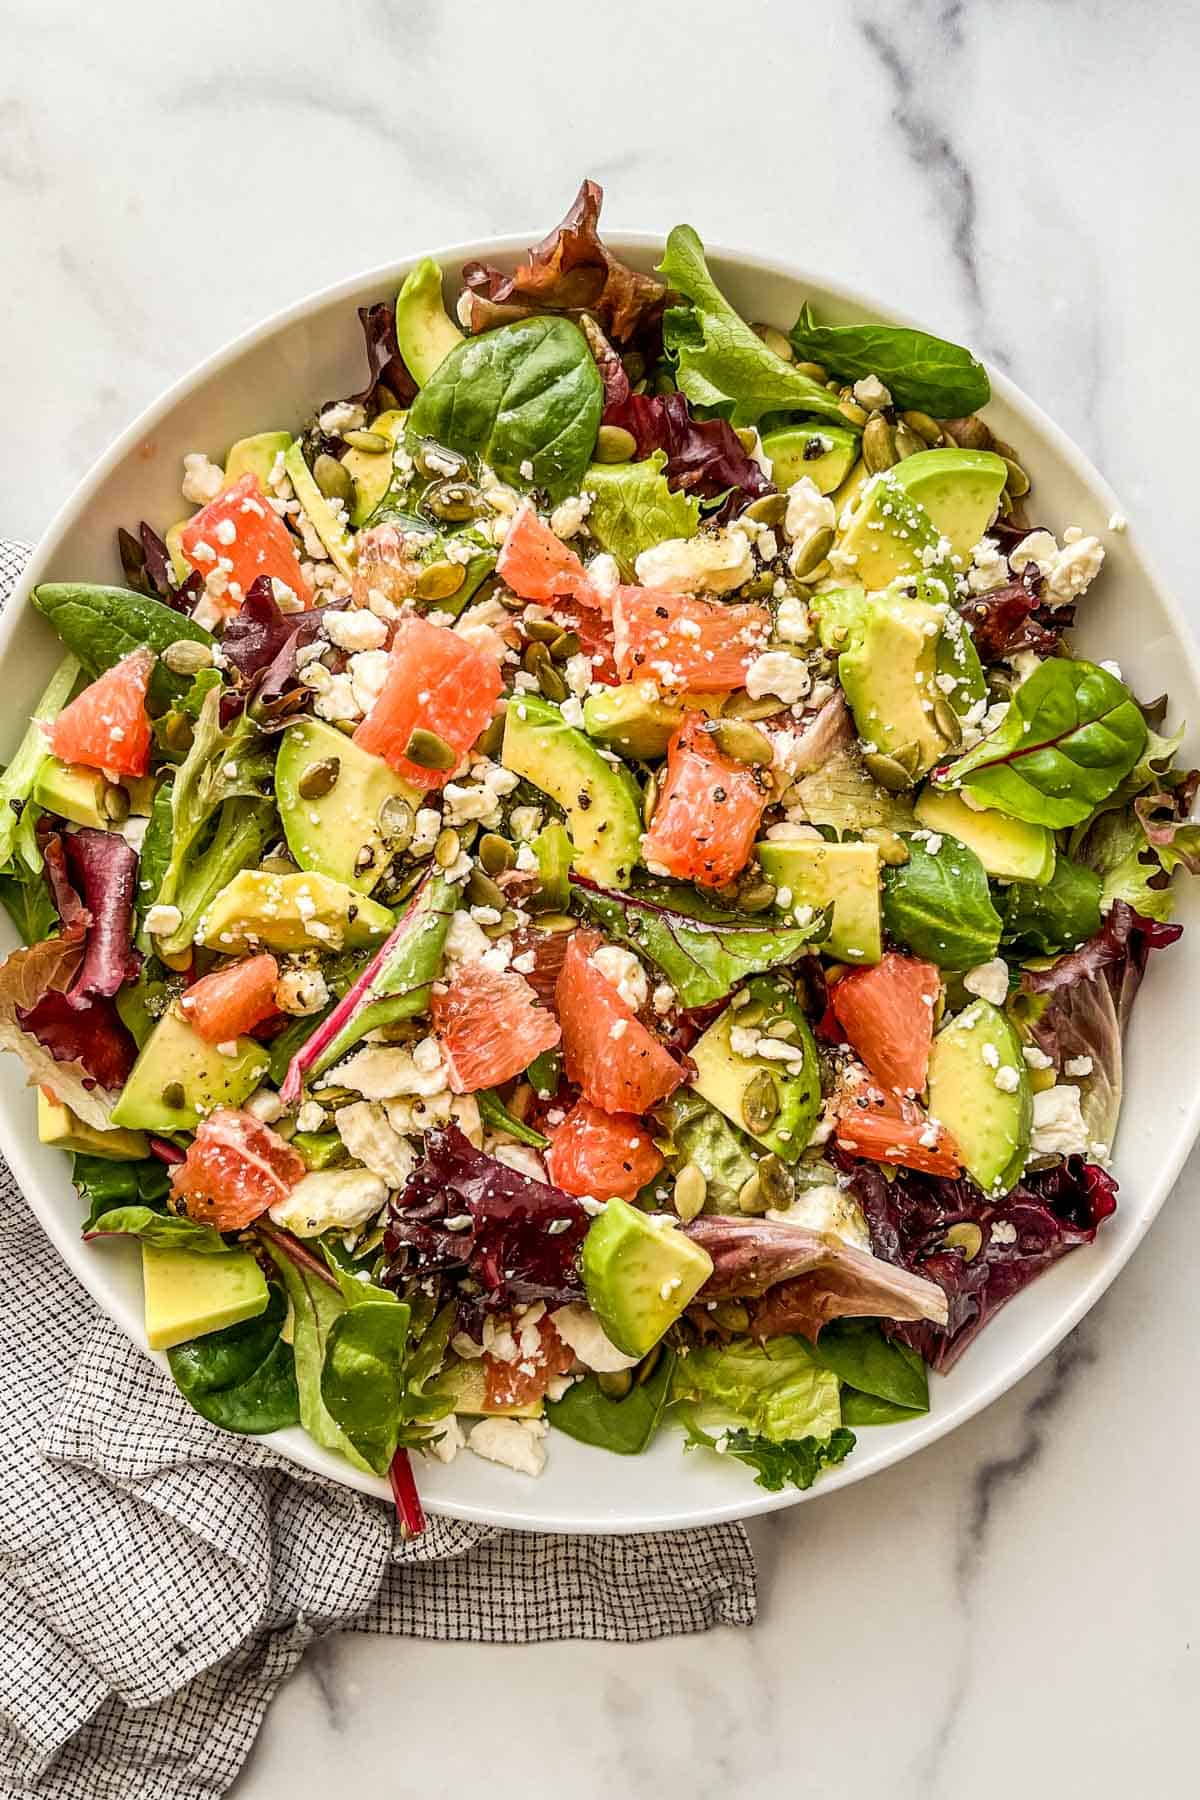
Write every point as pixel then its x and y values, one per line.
pixel 886 1127
pixel 618 1065
pixel 106 726
pixel 536 565
pixel 242 529
pixel 687 645
pixel 232 1001
pixel 708 812
pixel 490 1026
pixel 601 1154
pixel 436 682
pixel 235 1169
pixel 886 1013
pixel 526 1378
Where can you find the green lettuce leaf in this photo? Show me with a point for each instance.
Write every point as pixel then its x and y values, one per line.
pixel 168 1231
pixel 697 1132
pixel 633 509
pixel 1115 847
pixel 317 1303
pixel 778 1389
pixel 16 783
pixel 940 907
pixel 496 1117
pixel 244 1377
pixel 925 373
pixel 794 1462
pixel 362 1374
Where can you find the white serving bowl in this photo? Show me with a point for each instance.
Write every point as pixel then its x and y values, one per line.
pixel 273 377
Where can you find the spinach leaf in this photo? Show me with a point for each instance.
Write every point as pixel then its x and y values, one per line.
pixel 362 1376
pixel 168 1231
pixel 16 783
pixel 702 952
pixel 527 395
pixel 625 1426
pixel 104 1185
pixel 788 1462
pixel 100 625
pixel 922 372
pixel 244 1377
pixel 633 508
pixel 1056 916
pixel 317 1302
pixel 869 1409
pixel 1071 734
pixel 497 1117
pixel 697 1132
pixel 722 364
pixel 940 907
pixel 861 1357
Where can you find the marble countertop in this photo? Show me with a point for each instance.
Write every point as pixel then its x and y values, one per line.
pixel 1019 1603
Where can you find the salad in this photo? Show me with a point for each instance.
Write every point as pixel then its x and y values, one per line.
pixel 586 890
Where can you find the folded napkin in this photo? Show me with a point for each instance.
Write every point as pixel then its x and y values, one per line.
pixel 159 1577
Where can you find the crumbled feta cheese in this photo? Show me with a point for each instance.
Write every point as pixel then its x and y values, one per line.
pixel 808 511
pixel 779 673
pixel 330 1199
pixel 713 562
pixel 989 980
pixel 1066 573
pixel 1118 522
pixel 1035 1058
pixel 989 568
pixel 161 921
pixel 1003 1232
pixel 265 1105
pixel 1078 1066
pixel 370 1139
pixel 485 626
pixel 337 699
pixel 301 990
pixel 566 521
pixel 516 1443
pixel 310 1117
pixel 991 1056
pixel 1058 1126
pixel 792 622
pixel 526 822
pixel 870 392
pixel 1007 1079
pixel 382 1071
pixel 826 1208
pixel 663 998
pixel 354 629
pixel 445 1440
pixel 622 970
pixel 582 1332
pixel 604 574
pixel 368 672
pixel 202 479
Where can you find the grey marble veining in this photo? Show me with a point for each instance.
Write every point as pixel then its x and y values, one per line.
pixel 1017 1607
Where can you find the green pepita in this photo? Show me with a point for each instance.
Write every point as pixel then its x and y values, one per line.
pixel 969 433
pixel 888 771
pixel 750 1196
pixel 965 1236
pixel 907 442
pixel 892 848
pixel 807 557
pixel 768 509
pixel 333 481
pixel 731 1315
pixel 747 437
pixel 690 1190
pixel 947 721
pixel 614 444
pixel 446 850
pixel 173 1096
pixel 496 853
pixel 371 443
pixel 535 657
pixel 776 1183
pixel 429 751
pixel 565 646
pixel 454 501
pixel 744 706
pixel 634 364
pixel 615 1384
pixel 815 371
pixel 541 631
pixel 1018 483
pixel 649 799
pixel 186 657
pixel 857 415
pixel 435 463
pixel 923 425
pixel 552 684
pixel 741 740
pixel 878 444
pixel 756 896
pixel 781 1028
pixel 483 891
pixel 319 778
pixel 396 822
pixel 775 341
pixel 440 580
pixel 760 1103
pixel 491 737
pixel 116 805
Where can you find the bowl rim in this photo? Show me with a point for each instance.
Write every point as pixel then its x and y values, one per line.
pixel 293 1444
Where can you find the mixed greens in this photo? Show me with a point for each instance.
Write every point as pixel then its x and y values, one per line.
pixel 587 889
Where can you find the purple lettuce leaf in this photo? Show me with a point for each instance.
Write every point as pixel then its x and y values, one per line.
pixel 149 570
pixel 1119 951
pixel 93 879
pixel 1012 618
pixel 261 643
pixel 705 457
pixel 384 361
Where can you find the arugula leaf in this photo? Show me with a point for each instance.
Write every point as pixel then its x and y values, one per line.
pixel 722 364
pixel 702 952
pixel 169 1231
pixel 1059 915
pixel 633 508
pixel 16 783
pixel 697 1132
pixel 788 1462
pixel 925 373
pixel 242 1378
pixel 362 1375
pixel 623 1426
pixel 526 394
pixel 940 907
pixel 497 1117
pixel 1071 734
pixel 105 1185
pixel 861 1357
pixel 100 625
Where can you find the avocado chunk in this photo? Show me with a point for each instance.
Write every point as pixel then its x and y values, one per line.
pixel 825 453
pixel 464 1384
pixel 640 1273
pixel 924 515
pixel 256 456
pixel 59 1126
pixel 774 1102
pixel 371 472
pixel 425 331
pixel 1009 849
pixel 633 719
pixel 979 1089
pixel 820 874
pixel 178 1078
pixel 188 1294
pixel 319 1149
pixel 331 832
pixel 307 911
pixel 600 798
pixel 887 649
pixel 325 522
pixel 957 490
pixel 73 792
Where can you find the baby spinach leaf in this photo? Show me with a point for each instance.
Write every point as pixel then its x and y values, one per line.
pixel 702 952
pixel 923 372
pixel 939 906
pixel 1071 734
pixel 525 396
pixel 861 1357
pixel 697 1132
pixel 1056 916
pixel 870 1409
pixel 633 508
pixel 104 1186
pixel 497 1117
pixel 362 1376
pixel 100 625
pixel 722 364
pixel 244 1377
pixel 791 1462
pixel 168 1231
pixel 624 1426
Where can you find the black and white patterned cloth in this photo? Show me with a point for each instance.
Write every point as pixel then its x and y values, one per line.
pixel 159 1577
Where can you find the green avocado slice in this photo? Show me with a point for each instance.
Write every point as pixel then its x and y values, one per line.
pixel 600 798
pixel 640 1273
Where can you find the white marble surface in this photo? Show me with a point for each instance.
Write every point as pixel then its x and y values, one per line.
pixel 1018 1606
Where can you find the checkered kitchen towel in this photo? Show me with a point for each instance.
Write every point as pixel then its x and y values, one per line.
pixel 159 1578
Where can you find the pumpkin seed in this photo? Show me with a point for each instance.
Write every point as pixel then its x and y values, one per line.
pixel 878 444
pixel 757 896
pixel 768 509
pixel 347 727
pixel 551 683
pixel 760 1103
pixel 429 751
pixel 1018 483
pixel 439 580
pixel 535 657
pixel 496 853
pixel 319 777
pixel 760 587
pixel 649 799
pixel 614 444
pixel 395 821
pixel 907 442
pixel 116 804
pixel 744 742
pixel 888 771
pixel 781 1028
pixel 947 721
pixel 371 443
pixel 173 1095
pixel 775 341
pixel 892 848
pixel 647 1366
pixel 445 851
pixel 691 1187
pixel 333 481
pixel 454 501
pixel 923 425
pixel 965 1236
pixel 277 865
pixel 541 631
pixel 491 737
pixel 750 1196
pixel 634 364
pixel 555 922
pixel 776 1183
pixel 857 415
pixel 483 891
pixel 615 1384
pixel 1000 448
pixel 745 706
pixel 565 646
pixel 969 433
pixel 815 371
pixel 186 657
pixel 807 557
pixel 385 399
pixel 435 463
